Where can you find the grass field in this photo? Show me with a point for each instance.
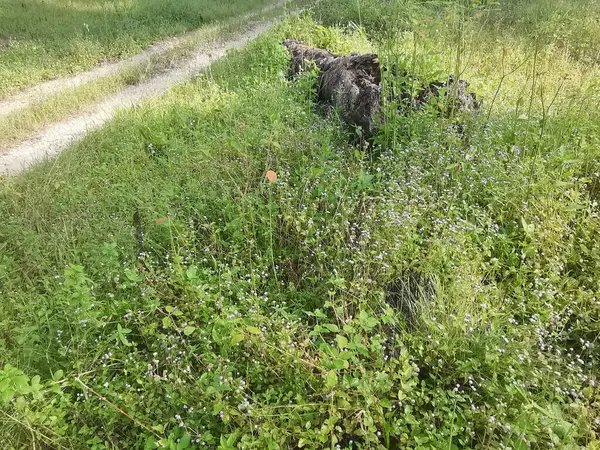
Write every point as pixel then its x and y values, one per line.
pixel 47 39
pixel 440 290
pixel 26 121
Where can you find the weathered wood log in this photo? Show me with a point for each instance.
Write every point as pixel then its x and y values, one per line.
pixel 352 84
pixel 460 99
pixel 304 57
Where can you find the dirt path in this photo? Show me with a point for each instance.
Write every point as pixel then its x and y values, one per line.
pixel 48 88
pixel 44 90
pixel 58 136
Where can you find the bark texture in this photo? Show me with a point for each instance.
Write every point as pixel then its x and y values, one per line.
pixel 353 85
pixel 350 83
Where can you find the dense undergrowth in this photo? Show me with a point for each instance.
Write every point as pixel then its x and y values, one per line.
pixel 437 290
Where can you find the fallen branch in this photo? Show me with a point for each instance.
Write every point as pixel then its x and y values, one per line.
pixel 116 408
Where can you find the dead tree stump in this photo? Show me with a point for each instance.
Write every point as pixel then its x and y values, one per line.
pixel 352 84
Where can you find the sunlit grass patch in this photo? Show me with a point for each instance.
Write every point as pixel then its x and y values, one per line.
pixel 51 39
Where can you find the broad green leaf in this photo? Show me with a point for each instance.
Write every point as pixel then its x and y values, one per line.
pixel 236 337
pixel 342 341
pixel 253 330
pixel 340 364
pixel 134 275
pixel 331 379
pixel 332 327
pixel 189 330
pixel 184 442
pixel 346 355
pixel 123 339
pixel 368 322
pixel 57 375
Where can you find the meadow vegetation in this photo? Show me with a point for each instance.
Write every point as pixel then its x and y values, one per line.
pixel 45 40
pixel 22 123
pixel 437 288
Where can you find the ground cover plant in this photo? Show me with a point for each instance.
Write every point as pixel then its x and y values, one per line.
pixel 228 268
pixel 44 40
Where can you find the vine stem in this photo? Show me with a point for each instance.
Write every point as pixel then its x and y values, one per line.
pixel 116 408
